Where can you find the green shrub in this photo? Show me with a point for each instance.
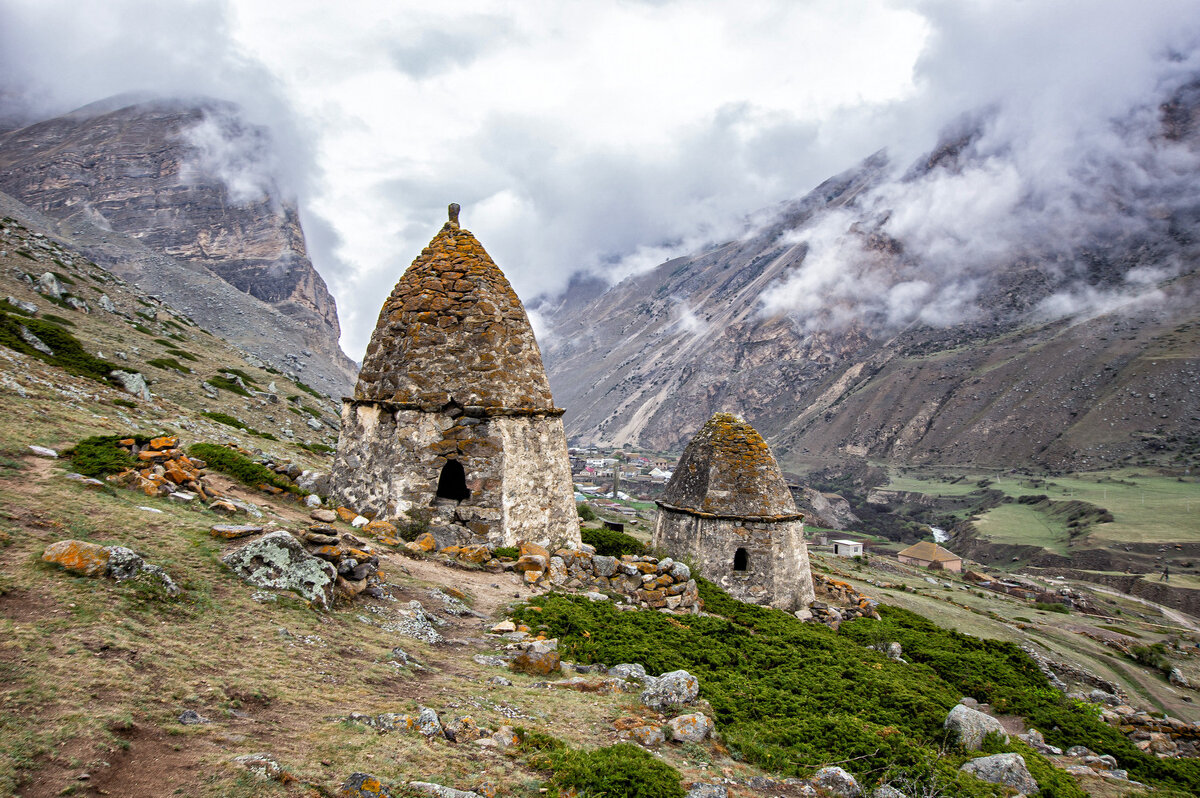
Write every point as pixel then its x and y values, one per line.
pixel 310 391
pixel 230 421
pixel 58 320
pixel 507 552
pixel 124 403
pixel 99 455
pixel 62 278
pixel 143 330
pixel 611 543
pixel 240 467
pixel 317 448
pixel 168 364
pixel 182 354
pixel 246 378
pixel 585 512
pixel 69 354
pixel 1152 656
pixel 227 384
pixel 1052 607
pixel 616 771
pixel 8 307
pixel 790 696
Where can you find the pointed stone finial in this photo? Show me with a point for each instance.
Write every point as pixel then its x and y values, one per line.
pixel 454 209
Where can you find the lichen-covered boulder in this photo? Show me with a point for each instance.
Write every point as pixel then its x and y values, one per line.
pixel 78 556
pixel 280 562
pixel 836 782
pixel 539 657
pixel 673 689
pixel 363 785
pixel 463 729
pixel 690 728
pixel 972 726
pixel 1006 769
pixel 428 722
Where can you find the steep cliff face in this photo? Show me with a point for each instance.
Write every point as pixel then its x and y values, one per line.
pixel 194 183
pixel 1018 380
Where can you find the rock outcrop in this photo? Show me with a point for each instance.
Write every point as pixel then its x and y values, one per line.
pixel 179 197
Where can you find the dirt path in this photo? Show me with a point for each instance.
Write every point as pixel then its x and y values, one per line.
pixel 1174 615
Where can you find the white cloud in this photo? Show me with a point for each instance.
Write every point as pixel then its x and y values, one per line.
pixel 600 136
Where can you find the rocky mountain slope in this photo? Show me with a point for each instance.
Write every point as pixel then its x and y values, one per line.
pixel 181 198
pixel 1020 379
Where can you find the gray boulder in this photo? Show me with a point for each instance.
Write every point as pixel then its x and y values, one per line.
pixel 887 791
pixel 280 562
pixel 700 790
pixel 692 728
pixel 440 791
pixel 21 304
pixel 428 723
pixel 106 304
pixel 836 781
pixel 77 304
pixel 673 689
pixel 48 285
pixel 126 564
pixel 37 343
pixel 972 726
pixel 363 785
pixel 628 670
pixel 1006 769
pixel 132 383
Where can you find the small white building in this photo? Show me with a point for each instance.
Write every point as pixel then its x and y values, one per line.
pixel 847 548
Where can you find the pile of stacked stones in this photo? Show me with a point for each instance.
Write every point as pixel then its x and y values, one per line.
pixel 165 471
pixel 853 604
pixel 1164 737
pixel 463 729
pixel 646 582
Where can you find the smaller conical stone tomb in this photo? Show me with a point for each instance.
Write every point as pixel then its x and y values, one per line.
pixel 728 509
pixel 452 418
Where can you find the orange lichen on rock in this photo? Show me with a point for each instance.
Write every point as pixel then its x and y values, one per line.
pixel 727 469
pixel 454 316
pixel 78 556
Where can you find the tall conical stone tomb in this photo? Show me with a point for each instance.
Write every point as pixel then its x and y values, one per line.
pixel 452 417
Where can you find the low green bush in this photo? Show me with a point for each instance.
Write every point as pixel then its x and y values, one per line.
pixel 59 320
pixel 509 552
pixel 790 696
pixel 168 364
pixel 230 421
pixel 181 353
pixel 99 455
pixel 228 385
pixel 69 354
pixel 616 771
pixel 240 467
pixel 585 512
pixel 611 543
pixel 1052 607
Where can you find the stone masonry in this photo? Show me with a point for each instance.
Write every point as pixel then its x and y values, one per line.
pixel 452 416
pixel 729 510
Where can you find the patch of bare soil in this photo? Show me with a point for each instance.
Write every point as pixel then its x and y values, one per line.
pixel 148 762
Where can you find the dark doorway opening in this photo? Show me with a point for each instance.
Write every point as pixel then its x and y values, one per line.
pixel 741 560
pixel 452 484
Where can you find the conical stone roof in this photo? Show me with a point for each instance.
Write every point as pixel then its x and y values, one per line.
pixel 727 470
pixel 453 330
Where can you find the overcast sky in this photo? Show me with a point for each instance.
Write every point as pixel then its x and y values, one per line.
pixel 603 136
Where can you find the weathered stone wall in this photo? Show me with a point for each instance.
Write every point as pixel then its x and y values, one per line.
pixel 777 571
pixel 538 494
pixel 390 458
